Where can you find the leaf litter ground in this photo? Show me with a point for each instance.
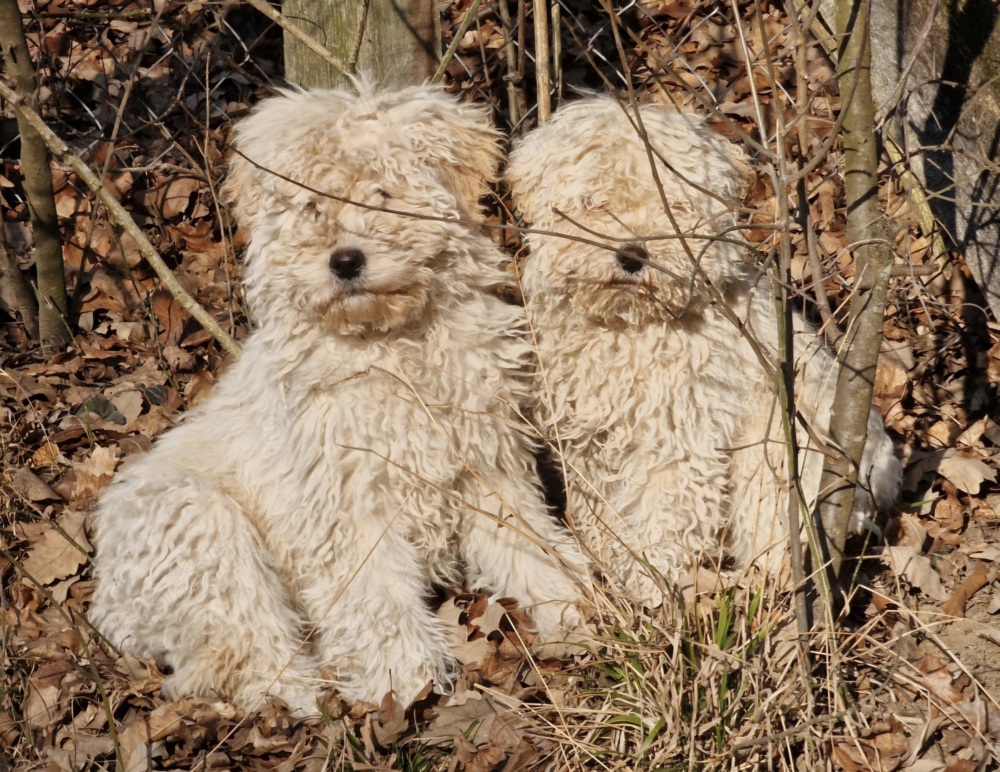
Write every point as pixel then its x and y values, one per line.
pixel 149 95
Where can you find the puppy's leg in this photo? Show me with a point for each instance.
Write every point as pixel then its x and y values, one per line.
pixel 757 530
pixel 514 547
pixel 683 505
pixel 185 579
pixel 376 631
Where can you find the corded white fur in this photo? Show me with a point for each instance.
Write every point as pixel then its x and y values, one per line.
pixel 656 404
pixel 367 443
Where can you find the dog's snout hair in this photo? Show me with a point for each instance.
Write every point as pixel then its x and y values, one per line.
pixel 347 262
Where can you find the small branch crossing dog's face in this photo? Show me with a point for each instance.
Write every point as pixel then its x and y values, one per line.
pixel 645 216
pixel 352 226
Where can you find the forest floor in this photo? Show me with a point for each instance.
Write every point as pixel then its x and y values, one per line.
pixel 149 95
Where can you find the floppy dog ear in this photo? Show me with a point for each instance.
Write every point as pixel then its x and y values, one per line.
pixel 459 139
pixel 277 139
pixel 698 154
pixel 537 159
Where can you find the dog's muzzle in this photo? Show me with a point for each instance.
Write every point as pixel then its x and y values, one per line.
pixel 347 262
pixel 632 258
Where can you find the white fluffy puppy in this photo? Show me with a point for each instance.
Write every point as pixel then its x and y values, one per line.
pixel 365 446
pixel 646 388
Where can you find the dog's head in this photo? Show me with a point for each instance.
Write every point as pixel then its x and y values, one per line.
pixel 352 204
pixel 641 215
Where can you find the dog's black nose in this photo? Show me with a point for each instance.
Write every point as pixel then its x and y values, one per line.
pixel 347 262
pixel 627 257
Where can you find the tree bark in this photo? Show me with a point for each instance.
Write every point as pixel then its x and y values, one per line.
pixel 15 291
pixel 53 328
pixel 872 251
pixel 389 41
pixel 936 77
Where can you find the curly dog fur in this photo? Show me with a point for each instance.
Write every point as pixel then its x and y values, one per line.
pixel 661 411
pixel 367 445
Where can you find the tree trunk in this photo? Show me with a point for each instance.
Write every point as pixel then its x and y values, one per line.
pixel 389 41
pixel 53 329
pixel 872 250
pixel 15 292
pixel 937 65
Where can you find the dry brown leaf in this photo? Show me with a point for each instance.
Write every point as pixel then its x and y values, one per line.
pixel 30 487
pixel 905 562
pixel 938 680
pixel 848 757
pixel 948 519
pixel 965 473
pixel 47 455
pixel 174 196
pixel 171 317
pixel 54 555
pixel 86 478
pixel 129 405
pixel 469 715
pixel 391 722
pixel 45 704
pixel 891 379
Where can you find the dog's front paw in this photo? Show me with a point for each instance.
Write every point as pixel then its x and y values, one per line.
pixel 556 624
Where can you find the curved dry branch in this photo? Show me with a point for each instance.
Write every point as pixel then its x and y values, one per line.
pixel 61 150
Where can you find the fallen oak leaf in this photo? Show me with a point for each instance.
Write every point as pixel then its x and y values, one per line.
pixel 917 569
pixel 61 548
pixel 965 473
pixel 391 722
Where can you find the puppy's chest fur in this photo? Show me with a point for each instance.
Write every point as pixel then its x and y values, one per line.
pixel 659 390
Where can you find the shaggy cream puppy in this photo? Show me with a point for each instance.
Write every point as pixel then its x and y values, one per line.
pixel 661 410
pixel 367 443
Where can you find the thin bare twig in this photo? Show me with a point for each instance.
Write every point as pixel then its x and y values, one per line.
pixel 514 75
pixel 470 16
pixel 61 150
pixel 541 18
pixel 557 72
pixel 352 61
pixel 302 36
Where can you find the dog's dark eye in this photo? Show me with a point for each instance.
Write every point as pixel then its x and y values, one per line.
pixel 381 194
